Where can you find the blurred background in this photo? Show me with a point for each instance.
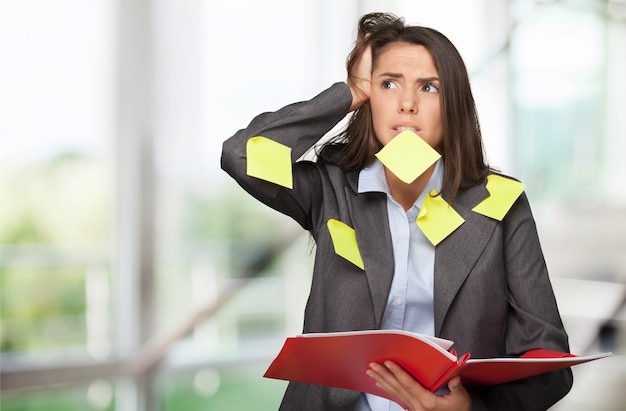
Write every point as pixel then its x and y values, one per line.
pixel 134 275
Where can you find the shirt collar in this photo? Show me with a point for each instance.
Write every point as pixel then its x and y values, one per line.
pixel 372 179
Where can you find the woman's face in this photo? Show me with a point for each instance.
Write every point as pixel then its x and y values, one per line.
pixel 405 94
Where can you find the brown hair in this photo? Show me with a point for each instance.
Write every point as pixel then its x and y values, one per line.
pixel 461 147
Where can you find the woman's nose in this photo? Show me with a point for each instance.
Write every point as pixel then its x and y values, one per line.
pixel 408 103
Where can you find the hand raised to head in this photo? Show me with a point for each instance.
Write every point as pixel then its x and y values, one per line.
pixel 360 78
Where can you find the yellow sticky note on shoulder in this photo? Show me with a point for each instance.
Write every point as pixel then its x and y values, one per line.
pixel 503 192
pixel 269 160
pixel 408 156
pixel 437 219
pixel 344 242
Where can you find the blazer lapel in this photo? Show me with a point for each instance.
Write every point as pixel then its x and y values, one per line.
pixel 369 215
pixel 455 256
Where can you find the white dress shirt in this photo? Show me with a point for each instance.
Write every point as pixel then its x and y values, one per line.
pixel 410 302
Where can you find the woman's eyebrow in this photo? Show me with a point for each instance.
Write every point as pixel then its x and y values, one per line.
pixel 392 75
pixel 400 75
pixel 427 79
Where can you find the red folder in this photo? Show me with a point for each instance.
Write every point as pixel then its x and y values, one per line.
pixel 341 359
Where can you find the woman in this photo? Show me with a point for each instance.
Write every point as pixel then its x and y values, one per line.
pixel 484 286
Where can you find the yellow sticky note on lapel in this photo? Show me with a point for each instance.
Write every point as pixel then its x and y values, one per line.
pixel 408 156
pixel 344 242
pixel 503 192
pixel 437 219
pixel 269 160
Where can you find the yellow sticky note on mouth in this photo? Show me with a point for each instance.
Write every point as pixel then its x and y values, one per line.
pixel 437 219
pixel 503 192
pixel 408 156
pixel 269 160
pixel 344 242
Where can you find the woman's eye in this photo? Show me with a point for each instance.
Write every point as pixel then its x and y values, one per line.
pixel 430 88
pixel 388 84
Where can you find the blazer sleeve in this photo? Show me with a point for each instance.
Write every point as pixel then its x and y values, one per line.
pixel 533 319
pixel 298 126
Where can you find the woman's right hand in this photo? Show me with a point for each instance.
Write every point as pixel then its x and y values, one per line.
pixel 360 79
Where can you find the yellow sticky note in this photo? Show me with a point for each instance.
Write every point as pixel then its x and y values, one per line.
pixel 344 242
pixel 437 219
pixel 407 156
pixel 503 192
pixel 269 160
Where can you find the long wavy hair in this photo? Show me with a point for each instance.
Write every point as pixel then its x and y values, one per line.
pixel 461 147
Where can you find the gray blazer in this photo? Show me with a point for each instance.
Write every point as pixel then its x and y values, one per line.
pixel 492 293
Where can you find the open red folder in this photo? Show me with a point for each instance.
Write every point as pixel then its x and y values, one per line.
pixel 341 359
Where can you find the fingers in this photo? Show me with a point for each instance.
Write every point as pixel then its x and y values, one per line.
pixel 402 386
pixel 459 394
pixel 455 384
pixel 359 79
pixel 404 378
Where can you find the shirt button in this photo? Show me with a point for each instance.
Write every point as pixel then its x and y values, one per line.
pixel 399 301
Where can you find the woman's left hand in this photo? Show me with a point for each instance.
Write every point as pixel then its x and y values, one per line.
pixel 402 386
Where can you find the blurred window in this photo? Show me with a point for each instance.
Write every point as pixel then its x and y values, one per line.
pixel 56 181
